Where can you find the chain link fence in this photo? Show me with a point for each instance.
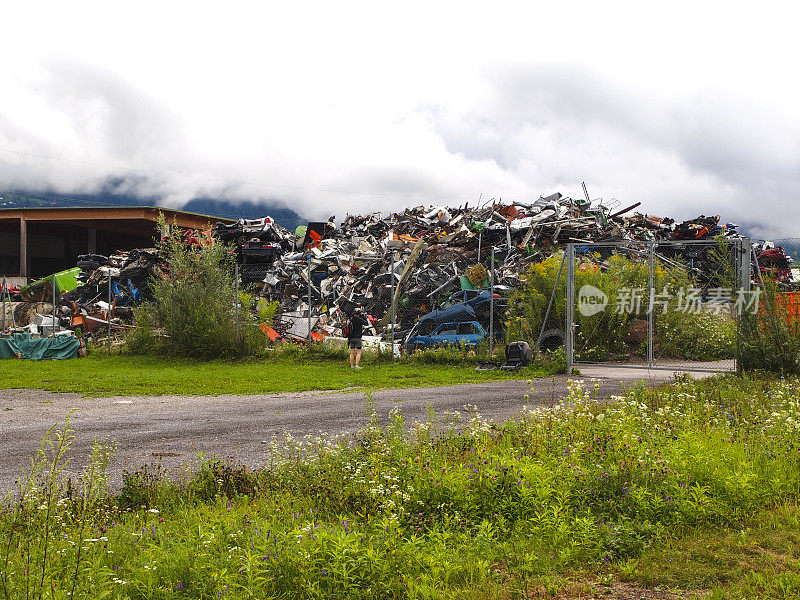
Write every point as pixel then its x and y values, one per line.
pixel 658 305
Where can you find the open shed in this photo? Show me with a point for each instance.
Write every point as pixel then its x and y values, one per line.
pixel 35 242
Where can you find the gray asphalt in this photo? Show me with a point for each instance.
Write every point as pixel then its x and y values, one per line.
pixel 171 431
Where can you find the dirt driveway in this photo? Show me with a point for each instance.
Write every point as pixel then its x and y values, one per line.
pixel 172 430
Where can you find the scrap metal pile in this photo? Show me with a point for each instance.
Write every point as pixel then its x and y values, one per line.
pixel 82 296
pixel 417 257
pixel 426 254
pixel 91 304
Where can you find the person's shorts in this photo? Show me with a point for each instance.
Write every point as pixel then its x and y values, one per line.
pixel 355 344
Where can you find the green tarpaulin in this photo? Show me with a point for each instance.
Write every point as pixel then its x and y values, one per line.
pixel 24 346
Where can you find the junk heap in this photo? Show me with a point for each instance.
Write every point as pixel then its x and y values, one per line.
pixel 419 256
pixel 84 303
pixel 423 255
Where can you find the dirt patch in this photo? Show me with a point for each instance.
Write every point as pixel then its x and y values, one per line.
pixel 627 591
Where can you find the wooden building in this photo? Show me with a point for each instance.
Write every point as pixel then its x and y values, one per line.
pixel 35 242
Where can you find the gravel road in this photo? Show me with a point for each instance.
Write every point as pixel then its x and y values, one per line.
pixel 172 430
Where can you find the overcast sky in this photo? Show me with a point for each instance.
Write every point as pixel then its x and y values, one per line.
pixel 339 107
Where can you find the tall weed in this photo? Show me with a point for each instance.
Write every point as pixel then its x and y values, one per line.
pixel 769 340
pixel 447 506
pixel 195 307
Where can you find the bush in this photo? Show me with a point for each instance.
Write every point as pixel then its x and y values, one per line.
pixel 770 339
pixel 195 307
pixel 446 355
pixel 605 335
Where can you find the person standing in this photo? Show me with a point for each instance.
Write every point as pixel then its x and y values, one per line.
pixel 357 323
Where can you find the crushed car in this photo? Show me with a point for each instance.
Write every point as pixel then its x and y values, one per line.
pixel 464 333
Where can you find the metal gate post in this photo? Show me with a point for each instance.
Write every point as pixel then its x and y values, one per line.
pixel 236 299
pixel 650 311
pixel 745 260
pixel 570 299
pixel 491 307
pixel 309 300
pixel 743 253
pixel 392 309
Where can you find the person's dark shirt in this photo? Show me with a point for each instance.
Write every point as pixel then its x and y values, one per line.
pixel 357 324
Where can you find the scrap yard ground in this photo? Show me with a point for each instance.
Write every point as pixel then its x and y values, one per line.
pixel 173 429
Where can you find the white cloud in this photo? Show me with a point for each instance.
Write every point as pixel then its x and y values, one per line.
pixel 350 107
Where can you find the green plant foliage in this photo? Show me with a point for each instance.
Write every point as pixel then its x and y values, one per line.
pixel 266 310
pixel 452 506
pixel 605 336
pixel 701 336
pixel 144 338
pixel 447 355
pixel 195 307
pixel 770 339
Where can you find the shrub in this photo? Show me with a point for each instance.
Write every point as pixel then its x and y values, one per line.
pixel 770 339
pixel 605 335
pixel 195 306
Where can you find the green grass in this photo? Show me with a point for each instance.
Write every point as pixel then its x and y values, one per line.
pixel 758 558
pixel 691 487
pixel 99 375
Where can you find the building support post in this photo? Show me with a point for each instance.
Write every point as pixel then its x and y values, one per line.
pixel 23 247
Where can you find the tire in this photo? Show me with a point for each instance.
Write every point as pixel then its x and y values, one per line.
pixel 551 340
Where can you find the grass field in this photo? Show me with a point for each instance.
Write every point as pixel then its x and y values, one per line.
pixel 100 375
pixel 688 490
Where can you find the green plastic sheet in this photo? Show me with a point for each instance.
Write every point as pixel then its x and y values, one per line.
pixel 66 281
pixel 52 348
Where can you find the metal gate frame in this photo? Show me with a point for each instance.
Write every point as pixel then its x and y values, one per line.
pixel 743 249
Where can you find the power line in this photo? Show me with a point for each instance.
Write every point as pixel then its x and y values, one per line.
pixel 229 181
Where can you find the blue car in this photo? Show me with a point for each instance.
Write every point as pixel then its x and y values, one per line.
pixel 465 333
pixel 464 306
